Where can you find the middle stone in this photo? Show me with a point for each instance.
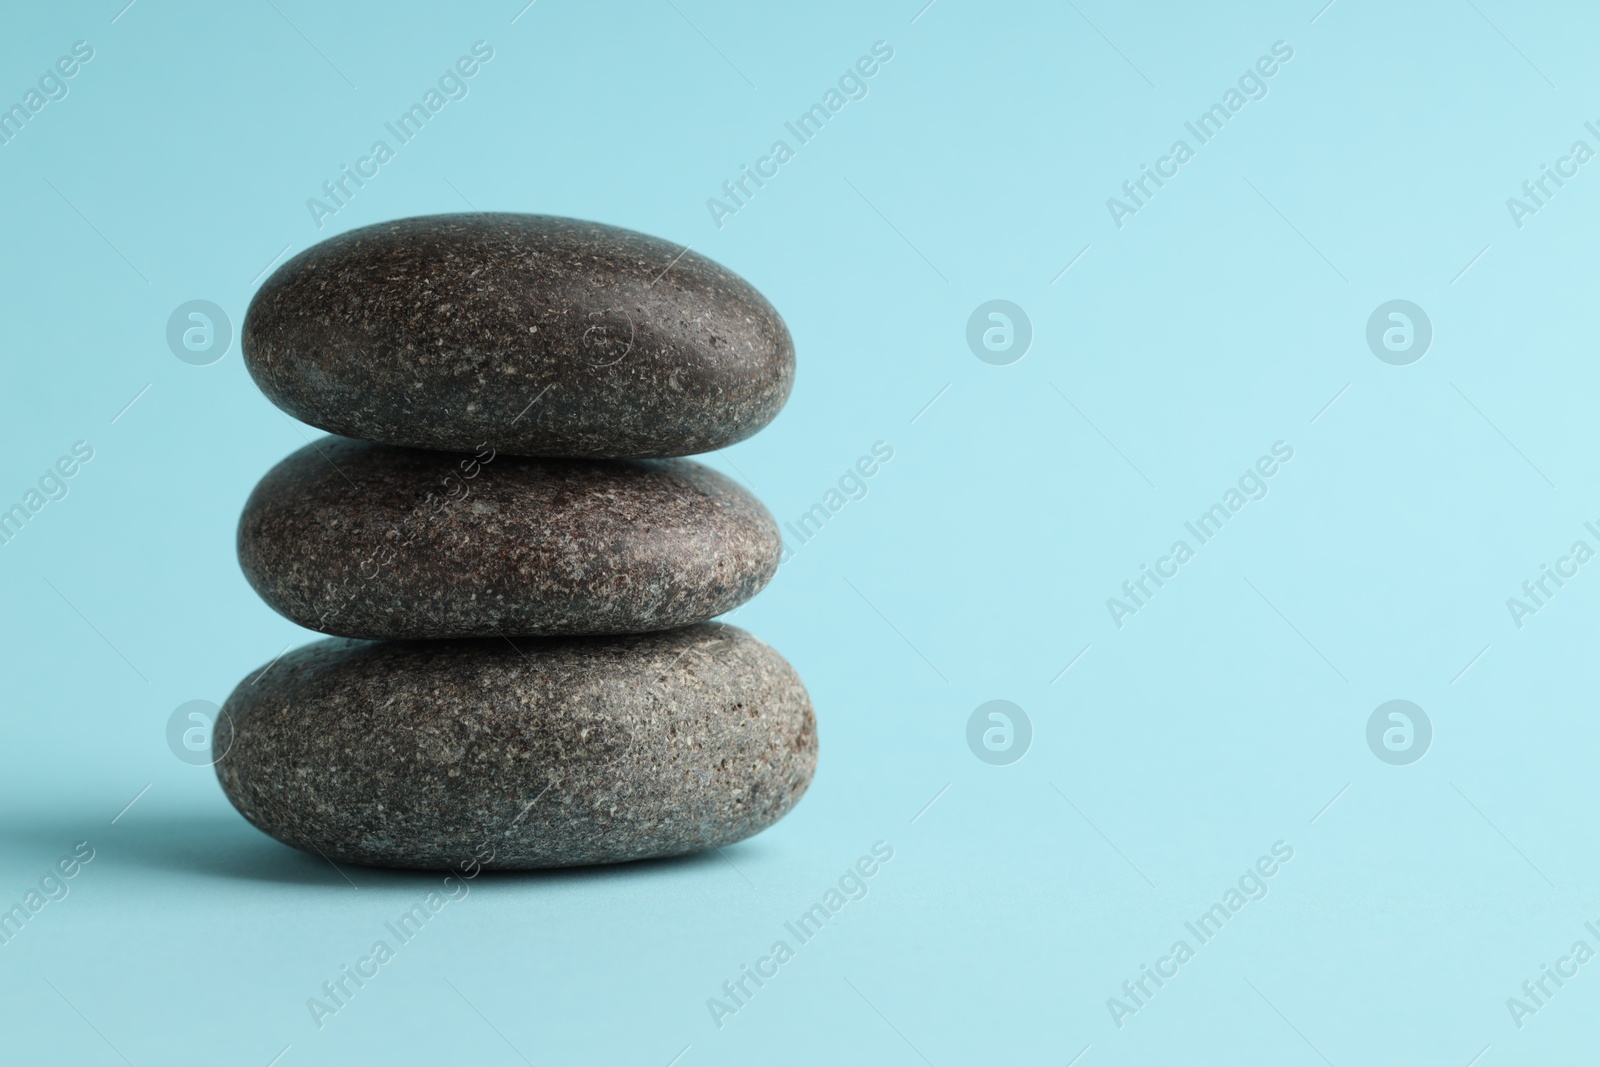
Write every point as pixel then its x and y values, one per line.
pixel 371 541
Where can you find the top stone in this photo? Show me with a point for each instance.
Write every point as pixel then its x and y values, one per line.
pixel 540 336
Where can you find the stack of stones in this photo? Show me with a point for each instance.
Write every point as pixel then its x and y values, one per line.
pixel 518 574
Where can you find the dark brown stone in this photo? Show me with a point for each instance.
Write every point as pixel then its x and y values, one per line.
pixel 545 752
pixel 372 541
pixel 537 335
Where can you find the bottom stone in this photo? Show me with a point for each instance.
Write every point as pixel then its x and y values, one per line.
pixel 533 752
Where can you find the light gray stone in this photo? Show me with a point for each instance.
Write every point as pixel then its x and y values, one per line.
pixel 519 754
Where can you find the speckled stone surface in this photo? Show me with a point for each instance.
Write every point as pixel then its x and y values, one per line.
pixel 552 753
pixel 538 335
pixel 365 540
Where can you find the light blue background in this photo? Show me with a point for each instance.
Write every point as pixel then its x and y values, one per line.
pixel 1224 717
